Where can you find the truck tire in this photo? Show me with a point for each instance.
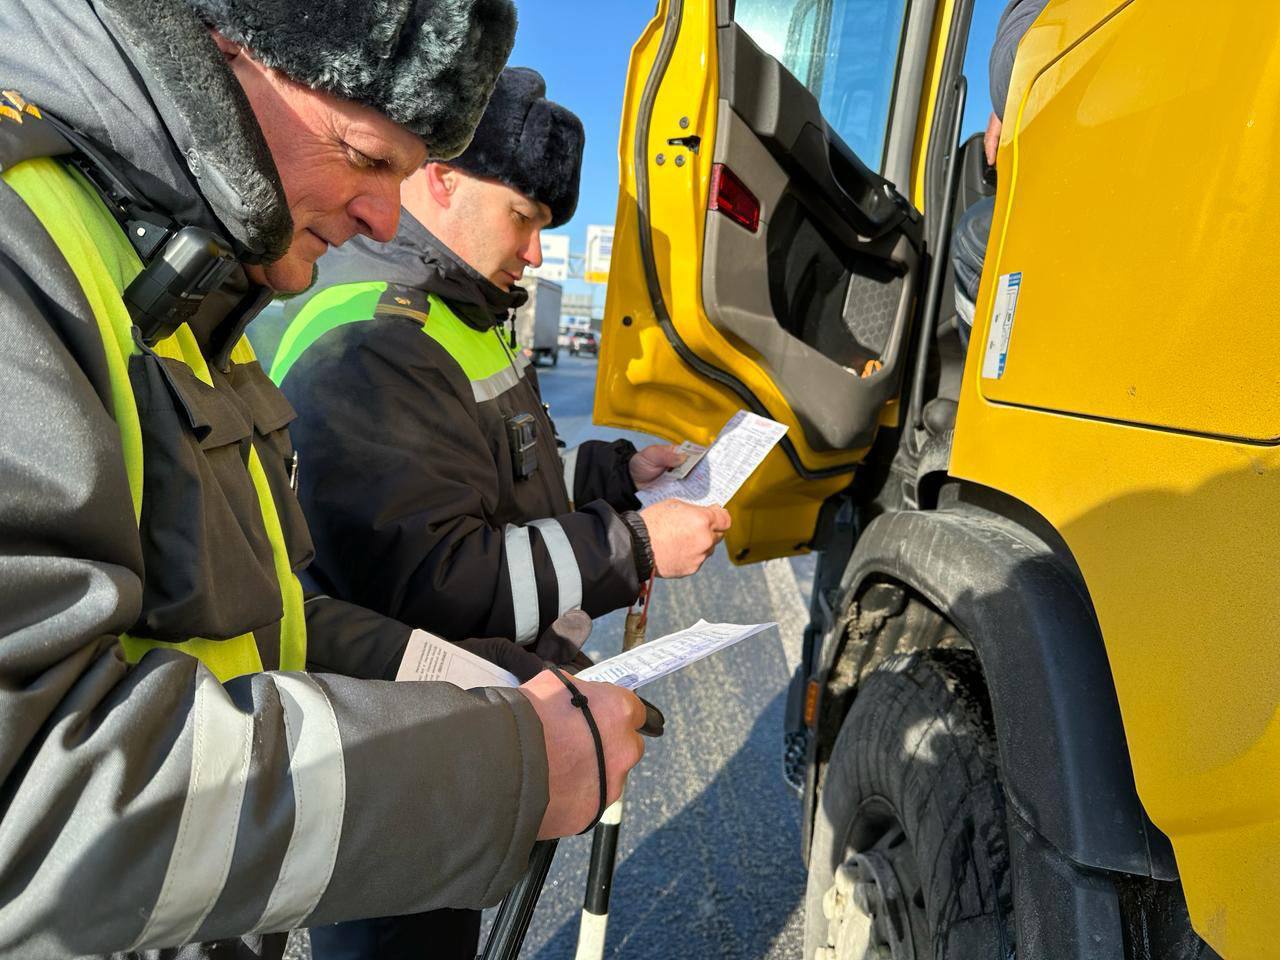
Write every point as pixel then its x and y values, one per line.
pixel 555 357
pixel 910 855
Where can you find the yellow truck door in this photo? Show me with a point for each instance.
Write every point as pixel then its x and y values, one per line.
pixel 763 257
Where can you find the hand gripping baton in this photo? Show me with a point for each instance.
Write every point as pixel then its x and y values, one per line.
pixel 511 925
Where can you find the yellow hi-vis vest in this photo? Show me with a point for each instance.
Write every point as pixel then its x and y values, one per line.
pixel 105 263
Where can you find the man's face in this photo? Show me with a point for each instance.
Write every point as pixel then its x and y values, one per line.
pixel 495 229
pixel 341 164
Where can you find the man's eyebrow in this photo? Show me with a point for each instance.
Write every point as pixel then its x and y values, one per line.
pixel 539 213
pixel 403 161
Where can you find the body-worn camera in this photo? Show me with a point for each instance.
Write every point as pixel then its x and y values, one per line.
pixel 522 439
pixel 170 288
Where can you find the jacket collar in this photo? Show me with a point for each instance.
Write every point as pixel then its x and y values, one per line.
pixel 144 79
pixel 417 258
pixel 478 301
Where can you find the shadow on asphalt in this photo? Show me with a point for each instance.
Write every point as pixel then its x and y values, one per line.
pixel 716 879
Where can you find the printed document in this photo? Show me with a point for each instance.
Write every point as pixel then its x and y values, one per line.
pixel 741 447
pixel 427 657
pixel 666 655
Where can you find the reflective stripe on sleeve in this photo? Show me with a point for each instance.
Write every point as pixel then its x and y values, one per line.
pixel 318 773
pixel 570 460
pixel 221 745
pixel 568 576
pixel 524 584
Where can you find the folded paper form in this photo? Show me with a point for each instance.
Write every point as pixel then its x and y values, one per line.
pixel 427 657
pixel 739 449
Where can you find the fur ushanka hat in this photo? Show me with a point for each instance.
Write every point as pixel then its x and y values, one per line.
pixel 429 65
pixel 529 143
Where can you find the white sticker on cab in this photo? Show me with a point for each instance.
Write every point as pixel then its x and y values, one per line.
pixel 1006 303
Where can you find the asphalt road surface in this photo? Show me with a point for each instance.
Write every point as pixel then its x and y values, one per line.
pixel 708 859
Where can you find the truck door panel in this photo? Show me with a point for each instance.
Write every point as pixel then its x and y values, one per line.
pixel 829 299
pixel 1138 409
pixel 1216 316
pixel 805 317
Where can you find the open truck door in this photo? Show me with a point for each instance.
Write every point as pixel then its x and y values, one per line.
pixel 768 245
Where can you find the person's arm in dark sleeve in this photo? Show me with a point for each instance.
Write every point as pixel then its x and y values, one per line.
pixel 353 641
pixel 398 482
pixel 1014 22
pixel 600 470
pixel 594 469
pixel 150 805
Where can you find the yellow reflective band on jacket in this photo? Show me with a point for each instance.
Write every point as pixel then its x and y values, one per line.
pixel 484 358
pixel 327 310
pixel 104 263
pixel 481 354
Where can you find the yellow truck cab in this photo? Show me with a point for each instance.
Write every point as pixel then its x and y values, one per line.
pixel 1037 712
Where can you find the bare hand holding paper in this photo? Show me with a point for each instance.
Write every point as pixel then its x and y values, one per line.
pixel 739 449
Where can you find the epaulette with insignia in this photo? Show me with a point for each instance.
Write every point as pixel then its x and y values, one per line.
pixel 24 134
pixel 404 301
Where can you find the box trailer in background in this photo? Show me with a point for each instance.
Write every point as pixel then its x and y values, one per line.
pixel 538 320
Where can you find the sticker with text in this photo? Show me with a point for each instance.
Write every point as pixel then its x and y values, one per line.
pixel 1006 304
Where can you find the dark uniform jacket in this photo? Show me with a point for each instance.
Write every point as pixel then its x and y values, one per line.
pixel 406 470
pixel 149 805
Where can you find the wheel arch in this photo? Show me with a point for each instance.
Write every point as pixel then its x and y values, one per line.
pixel 1022 605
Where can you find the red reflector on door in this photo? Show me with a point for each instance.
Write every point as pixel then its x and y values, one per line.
pixel 730 196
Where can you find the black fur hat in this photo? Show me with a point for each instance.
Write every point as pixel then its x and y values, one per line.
pixel 529 143
pixel 429 65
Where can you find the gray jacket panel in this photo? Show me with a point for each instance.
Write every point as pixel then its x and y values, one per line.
pixel 149 805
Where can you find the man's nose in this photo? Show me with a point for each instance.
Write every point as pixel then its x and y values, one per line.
pixel 533 252
pixel 377 215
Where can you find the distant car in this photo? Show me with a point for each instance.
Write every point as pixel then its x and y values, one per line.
pixel 583 341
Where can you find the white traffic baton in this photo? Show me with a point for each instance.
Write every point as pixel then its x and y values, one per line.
pixel 595 906
pixel 604 839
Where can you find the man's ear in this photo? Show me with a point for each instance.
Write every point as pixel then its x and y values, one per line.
pixel 442 182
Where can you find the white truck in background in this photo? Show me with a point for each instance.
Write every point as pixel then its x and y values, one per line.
pixel 538 320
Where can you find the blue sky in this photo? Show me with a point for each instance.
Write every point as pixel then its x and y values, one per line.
pixel 982 33
pixel 582 48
